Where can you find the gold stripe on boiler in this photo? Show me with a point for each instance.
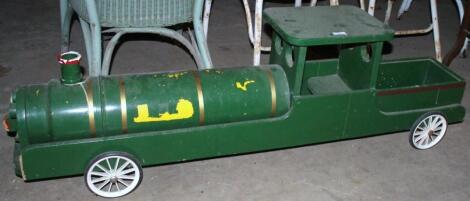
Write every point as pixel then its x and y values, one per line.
pixel 200 97
pixel 122 96
pixel 91 108
pixel 273 91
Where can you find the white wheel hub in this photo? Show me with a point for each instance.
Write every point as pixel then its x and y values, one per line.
pixel 113 176
pixel 429 131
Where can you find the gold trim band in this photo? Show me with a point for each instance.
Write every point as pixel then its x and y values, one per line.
pixel 122 96
pixel 273 91
pixel 200 97
pixel 91 108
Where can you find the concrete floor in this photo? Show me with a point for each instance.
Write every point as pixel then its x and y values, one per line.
pixel 377 168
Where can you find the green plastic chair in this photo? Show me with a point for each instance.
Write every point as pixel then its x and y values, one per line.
pixel 133 16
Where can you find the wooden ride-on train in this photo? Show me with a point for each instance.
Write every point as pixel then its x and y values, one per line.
pixel 107 128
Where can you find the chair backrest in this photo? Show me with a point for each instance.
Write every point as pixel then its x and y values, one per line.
pixel 137 13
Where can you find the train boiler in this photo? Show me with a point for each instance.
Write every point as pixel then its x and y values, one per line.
pixel 73 108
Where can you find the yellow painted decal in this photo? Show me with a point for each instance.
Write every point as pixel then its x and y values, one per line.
pixel 184 110
pixel 214 71
pixel 176 75
pixel 244 86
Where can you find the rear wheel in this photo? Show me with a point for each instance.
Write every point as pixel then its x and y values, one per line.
pixel 113 174
pixel 428 130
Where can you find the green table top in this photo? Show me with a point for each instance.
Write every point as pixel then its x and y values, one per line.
pixel 326 25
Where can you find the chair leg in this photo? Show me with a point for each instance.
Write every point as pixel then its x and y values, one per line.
pixel 434 27
pixel 207 14
pixel 461 14
pixel 87 38
pixel 388 13
pixel 246 7
pixel 362 4
pixel 298 3
pixel 249 23
pixel 94 38
pixel 193 49
pixel 108 53
pixel 435 24
pixel 96 47
pixel 313 2
pixel 257 31
pixel 199 34
pixel 65 22
pixel 462 35
pixel 371 8
pixel 405 6
pixel 203 49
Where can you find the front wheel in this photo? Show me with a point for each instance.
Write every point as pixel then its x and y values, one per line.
pixel 428 130
pixel 113 174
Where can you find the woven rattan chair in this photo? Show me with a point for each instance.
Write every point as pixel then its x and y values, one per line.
pixel 133 16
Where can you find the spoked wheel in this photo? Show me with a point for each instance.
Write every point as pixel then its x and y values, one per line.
pixel 113 175
pixel 428 131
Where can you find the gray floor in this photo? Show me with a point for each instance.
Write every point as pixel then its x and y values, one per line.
pixel 378 168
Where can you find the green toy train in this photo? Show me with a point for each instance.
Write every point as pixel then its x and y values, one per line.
pixel 107 128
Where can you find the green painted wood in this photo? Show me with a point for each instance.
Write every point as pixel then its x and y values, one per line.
pixel 355 66
pixel 380 97
pixel 307 26
pixel 328 84
pixel 313 118
pixel 317 68
pixel 423 76
pixel 70 72
pixel 292 129
pixel 360 51
pixel 419 71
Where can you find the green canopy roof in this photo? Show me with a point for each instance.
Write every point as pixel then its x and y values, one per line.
pixel 326 25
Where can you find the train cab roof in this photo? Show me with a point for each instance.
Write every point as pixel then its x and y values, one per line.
pixel 326 25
